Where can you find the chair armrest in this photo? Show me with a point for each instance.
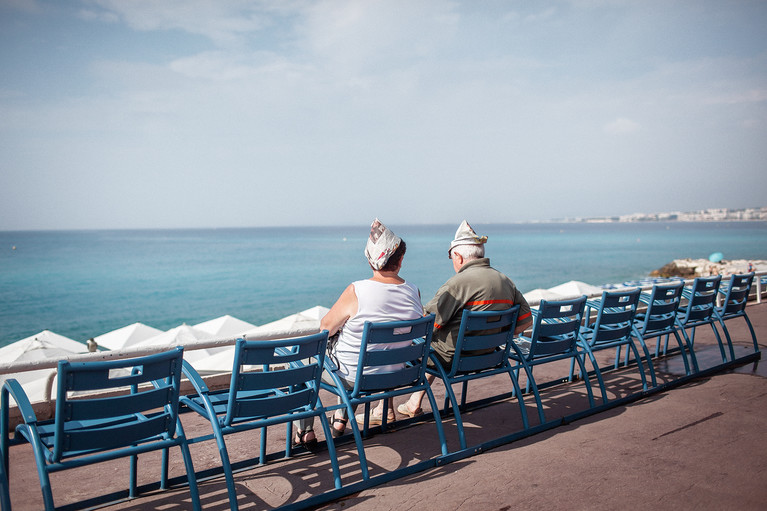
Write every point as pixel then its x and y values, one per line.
pixel 14 388
pixel 194 377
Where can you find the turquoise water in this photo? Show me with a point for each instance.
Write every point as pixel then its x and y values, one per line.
pixel 85 283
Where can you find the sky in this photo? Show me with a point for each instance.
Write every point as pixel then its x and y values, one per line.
pixel 122 114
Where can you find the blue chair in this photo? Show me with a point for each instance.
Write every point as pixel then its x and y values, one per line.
pixel 700 311
pixel 658 321
pixel 272 382
pixel 613 328
pixel 554 337
pixel 105 426
pixel 734 306
pixel 481 349
pixel 372 383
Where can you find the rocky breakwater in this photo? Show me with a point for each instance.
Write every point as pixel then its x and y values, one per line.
pixel 691 268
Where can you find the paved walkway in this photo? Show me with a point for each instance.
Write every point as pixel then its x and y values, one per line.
pixel 698 446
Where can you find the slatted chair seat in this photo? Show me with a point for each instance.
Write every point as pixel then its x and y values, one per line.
pixel 272 382
pixel 554 336
pixel 735 294
pixel 482 350
pixel 385 371
pixel 104 424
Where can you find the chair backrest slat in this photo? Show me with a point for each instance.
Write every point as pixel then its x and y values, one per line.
pixel 615 317
pixel 556 327
pixel 736 297
pixel 389 380
pixel 114 435
pixel 662 307
pixel 276 378
pixel 273 404
pixel 391 356
pixel 113 406
pixel 483 339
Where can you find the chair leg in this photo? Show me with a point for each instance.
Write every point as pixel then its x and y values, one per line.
pixel 520 399
pixel 331 450
pixel 450 395
pixel 437 419
pixel 639 364
pixel 586 381
pixel 689 342
pixel 650 364
pixel 531 383
pixel 190 474
pixel 597 371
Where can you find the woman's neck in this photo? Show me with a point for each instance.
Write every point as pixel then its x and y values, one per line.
pixel 387 277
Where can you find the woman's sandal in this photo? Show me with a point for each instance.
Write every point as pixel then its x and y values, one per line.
pixel 404 410
pixel 310 445
pixel 337 433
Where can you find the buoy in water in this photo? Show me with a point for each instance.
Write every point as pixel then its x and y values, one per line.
pixel 716 257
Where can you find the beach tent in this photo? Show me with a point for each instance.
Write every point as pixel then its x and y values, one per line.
pixel 127 336
pixel 43 346
pixel 304 322
pixel 575 288
pixel 183 335
pixel 301 323
pixel 225 326
pixel 536 295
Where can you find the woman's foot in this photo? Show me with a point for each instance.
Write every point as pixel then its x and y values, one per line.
pixel 375 418
pixel 306 439
pixel 337 420
pixel 404 409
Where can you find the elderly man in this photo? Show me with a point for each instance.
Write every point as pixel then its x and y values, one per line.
pixel 475 286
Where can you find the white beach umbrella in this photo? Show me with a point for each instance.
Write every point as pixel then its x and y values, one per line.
pixel 126 336
pixel 43 346
pixel 225 326
pixel 575 289
pixel 302 323
pixel 536 295
pixel 183 335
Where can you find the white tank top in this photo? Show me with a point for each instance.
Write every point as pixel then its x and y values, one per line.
pixel 377 302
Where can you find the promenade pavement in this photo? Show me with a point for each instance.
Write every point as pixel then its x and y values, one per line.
pixel 700 445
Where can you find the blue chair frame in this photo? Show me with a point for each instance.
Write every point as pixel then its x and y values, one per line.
pixel 98 427
pixel 613 328
pixel 554 337
pixel 369 387
pixel 659 321
pixel 700 310
pixel 736 293
pixel 491 332
pixel 284 387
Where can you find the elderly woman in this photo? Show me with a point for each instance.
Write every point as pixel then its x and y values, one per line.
pixel 383 297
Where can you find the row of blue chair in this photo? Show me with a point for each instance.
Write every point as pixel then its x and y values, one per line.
pixel 277 382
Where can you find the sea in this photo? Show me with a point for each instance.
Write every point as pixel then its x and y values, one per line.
pixel 82 284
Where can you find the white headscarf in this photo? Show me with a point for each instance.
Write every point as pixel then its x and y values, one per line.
pixel 465 235
pixel 381 244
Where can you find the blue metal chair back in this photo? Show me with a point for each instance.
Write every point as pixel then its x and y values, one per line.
pixel 115 421
pixel 266 365
pixel 483 340
pixel 555 327
pixel 403 344
pixel 615 318
pixel 736 295
pixel 701 299
pixel 662 306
